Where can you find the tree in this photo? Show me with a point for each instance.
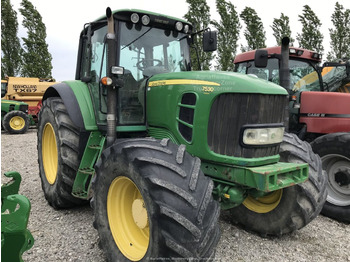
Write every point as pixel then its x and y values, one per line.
pixel 228 34
pixel 10 44
pixel 340 34
pixel 199 16
pixel 254 32
pixel 281 28
pixel 310 37
pixel 36 56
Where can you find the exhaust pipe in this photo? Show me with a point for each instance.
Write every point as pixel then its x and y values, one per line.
pixel 112 91
pixel 285 76
pixel 284 64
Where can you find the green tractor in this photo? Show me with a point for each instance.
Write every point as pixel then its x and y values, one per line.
pixel 158 149
pixel 14 116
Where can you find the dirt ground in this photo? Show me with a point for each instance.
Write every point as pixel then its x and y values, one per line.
pixel 68 235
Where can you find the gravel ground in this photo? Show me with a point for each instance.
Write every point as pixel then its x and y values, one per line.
pixel 68 235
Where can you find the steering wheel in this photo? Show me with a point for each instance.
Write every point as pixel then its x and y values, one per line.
pixel 141 65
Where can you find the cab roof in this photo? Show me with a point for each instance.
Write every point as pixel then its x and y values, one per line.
pixel 293 52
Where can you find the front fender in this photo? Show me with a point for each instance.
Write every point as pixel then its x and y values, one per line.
pixel 76 97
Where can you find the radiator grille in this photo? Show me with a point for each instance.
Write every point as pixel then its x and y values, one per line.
pixel 231 111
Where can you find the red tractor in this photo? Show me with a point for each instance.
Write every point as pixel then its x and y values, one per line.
pixel 319 110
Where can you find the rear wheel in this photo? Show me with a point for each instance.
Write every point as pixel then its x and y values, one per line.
pixel 291 208
pixel 16 122
pixel 58 150
pixel 151 201
pixel 334 150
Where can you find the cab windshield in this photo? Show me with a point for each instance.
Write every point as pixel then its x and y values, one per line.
pixel 146 51
pixel 303 75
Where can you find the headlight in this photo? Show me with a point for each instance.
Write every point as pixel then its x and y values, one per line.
pixel 186 29
pixel 179 26
pixel 145 20
pixel 260 136
pixel 135 18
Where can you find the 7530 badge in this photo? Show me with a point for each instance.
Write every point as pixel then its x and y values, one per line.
pixel 207 89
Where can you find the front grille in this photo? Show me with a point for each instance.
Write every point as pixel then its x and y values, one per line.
pixel 231 111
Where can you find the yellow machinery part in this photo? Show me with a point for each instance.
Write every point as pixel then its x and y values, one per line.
pixel 49 153
pixel 264 204
pixel 128 218
pixel 17 123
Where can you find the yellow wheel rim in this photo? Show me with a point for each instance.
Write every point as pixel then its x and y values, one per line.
pixel 49 153
pixel 264 204
pixel 128 218
pixel 17 123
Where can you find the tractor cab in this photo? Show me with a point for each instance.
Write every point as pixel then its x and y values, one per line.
pixel 305 71
pixel 3 87
pixel 146 44
pixel 303 68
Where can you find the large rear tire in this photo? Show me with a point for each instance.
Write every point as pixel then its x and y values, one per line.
pixel 16 122
pixel 58 154
pixel 334 150
pixel 151 201
pixel 291 208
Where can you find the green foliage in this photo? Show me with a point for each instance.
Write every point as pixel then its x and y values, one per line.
pixel 228 34
pixel 37 59
pixel 10 44
pixel 282 29
pixel 310 37
pixel 340 34
pixel 199 15
pixel 254 31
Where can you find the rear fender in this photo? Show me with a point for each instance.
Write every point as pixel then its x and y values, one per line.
pixel 325 112
pixel 76 97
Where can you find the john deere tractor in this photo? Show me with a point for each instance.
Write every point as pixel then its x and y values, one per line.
pixel 157 149
pixel 14 116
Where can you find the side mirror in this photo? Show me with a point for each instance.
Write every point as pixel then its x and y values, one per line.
pixel 260 59
pixel 210 41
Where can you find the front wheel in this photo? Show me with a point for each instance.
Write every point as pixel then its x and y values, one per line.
pixel 151 201
pixel 334 150
pixel 291 208
pixel 58 153
pixel 16 122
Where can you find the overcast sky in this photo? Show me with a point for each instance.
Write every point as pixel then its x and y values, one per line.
pixel 64 20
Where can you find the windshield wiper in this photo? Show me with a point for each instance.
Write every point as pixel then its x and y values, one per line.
pixel 133 41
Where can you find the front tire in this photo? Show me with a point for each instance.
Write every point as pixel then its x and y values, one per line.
pixel 151 201
pixel 16 122
pixel 291 208
pixel 334 150
pixel 58 151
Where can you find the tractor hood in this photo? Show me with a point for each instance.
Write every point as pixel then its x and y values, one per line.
pixel 207 110
pixel 12 102
pixel 8 105
pixel 221 82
